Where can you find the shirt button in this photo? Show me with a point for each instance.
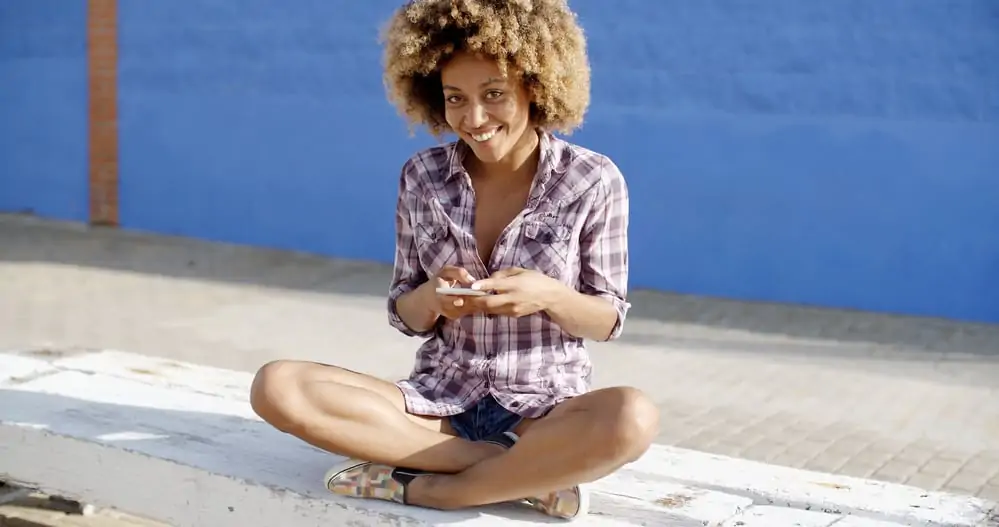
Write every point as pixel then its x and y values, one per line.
pixel 515 404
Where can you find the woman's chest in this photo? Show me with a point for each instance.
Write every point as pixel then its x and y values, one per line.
pixel 493 213
pixel 485 235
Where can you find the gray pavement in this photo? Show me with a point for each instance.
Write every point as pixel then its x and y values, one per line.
pixel 908 400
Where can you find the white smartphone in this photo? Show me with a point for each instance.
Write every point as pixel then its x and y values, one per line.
pixel 460 291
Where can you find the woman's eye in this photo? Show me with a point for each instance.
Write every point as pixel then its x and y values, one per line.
pixel 452 99
pixel 493 94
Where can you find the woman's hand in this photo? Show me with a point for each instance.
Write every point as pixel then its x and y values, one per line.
pixel 517 292
pixel 452 307
pixel 520 292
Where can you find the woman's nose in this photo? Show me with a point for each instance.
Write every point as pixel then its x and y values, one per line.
pixel 476 115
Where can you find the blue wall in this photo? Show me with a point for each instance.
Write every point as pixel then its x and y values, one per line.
pixel 260 122
pixel 834 153
pixel 839 153
pixel 43 108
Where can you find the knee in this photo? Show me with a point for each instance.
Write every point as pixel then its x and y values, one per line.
pixel 273 393
pixel 631 424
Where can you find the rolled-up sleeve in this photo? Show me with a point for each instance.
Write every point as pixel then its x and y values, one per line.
pixel 604 245
pixel 407 274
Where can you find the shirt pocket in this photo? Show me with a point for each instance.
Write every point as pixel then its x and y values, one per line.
pixel 434 243
pixel 546 246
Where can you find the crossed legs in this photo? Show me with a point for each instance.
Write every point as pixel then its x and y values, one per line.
pixel 358 416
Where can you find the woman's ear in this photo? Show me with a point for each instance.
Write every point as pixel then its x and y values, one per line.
pixel 536 115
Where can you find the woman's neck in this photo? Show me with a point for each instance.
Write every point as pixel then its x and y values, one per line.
pixel 520 163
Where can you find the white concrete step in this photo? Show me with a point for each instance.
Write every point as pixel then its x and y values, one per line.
pixel 178 443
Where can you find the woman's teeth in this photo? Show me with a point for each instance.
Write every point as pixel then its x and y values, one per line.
pixel 486 136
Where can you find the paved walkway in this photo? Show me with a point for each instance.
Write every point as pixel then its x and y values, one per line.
pixel 191 428
pixel 37 510
pixel 898 399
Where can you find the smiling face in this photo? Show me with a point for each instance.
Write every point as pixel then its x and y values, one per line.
pixel 486 109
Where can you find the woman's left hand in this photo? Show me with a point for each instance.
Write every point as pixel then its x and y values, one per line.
pixel 517 292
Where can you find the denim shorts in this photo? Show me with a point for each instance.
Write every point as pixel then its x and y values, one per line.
pixel 487 418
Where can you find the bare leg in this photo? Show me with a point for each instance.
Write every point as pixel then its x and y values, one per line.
pixel 581 440
pixel 358 416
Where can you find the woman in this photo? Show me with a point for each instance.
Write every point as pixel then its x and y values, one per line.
pixel 498 406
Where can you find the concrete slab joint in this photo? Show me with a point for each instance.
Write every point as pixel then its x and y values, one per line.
pixel 89 426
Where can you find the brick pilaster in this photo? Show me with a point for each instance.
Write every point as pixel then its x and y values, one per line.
pixel 102 78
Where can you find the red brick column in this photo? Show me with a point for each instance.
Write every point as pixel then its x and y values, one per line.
pixel 102 74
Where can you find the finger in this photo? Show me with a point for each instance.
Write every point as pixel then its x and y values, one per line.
pixel 448 272
pixel 498 280
pixel 470 308
pixel 496 284
pixel 456 312
pixel 492 303
pixel 506 273
pixel 450 300
pixel 465 276
pixel 489 284
pixel 456 274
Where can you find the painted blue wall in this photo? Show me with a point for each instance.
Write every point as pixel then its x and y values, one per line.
pixel 260 122
pixel 838 153
pixel 834 153
pixel 43 108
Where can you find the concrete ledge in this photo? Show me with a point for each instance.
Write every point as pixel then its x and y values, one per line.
pixel 178 443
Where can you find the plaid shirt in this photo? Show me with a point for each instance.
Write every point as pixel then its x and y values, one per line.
pixel 573 228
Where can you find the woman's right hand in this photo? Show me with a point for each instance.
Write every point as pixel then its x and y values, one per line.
pixel 451 307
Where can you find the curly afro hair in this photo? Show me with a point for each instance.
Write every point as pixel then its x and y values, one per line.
pixel 540 39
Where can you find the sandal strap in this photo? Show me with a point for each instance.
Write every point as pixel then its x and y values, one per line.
pixel 503 439
pixel 405 476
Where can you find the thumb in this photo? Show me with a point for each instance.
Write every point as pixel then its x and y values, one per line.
pixel 506 273
pixel 466 276
pixel 497 281
pixel 453 274
pixel 488 284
